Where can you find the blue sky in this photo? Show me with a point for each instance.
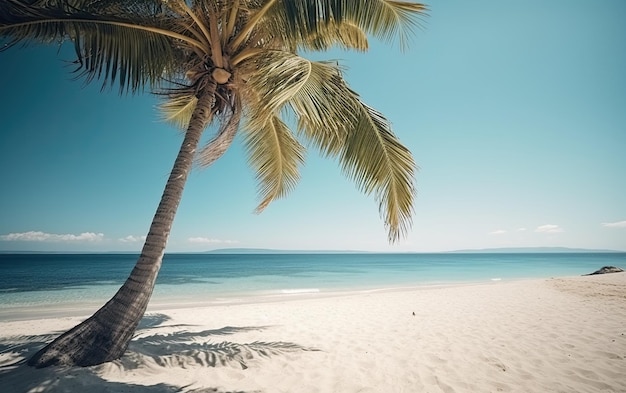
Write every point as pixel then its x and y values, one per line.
pixel 515 113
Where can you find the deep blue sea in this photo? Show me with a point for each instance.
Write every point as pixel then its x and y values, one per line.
pixel 53 281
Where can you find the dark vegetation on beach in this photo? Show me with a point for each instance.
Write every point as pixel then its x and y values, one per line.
pixel 233 64
pixel 605 270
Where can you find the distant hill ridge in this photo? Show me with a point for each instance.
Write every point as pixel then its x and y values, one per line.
pixel 277 251
pixel 502 250
pixel 545 250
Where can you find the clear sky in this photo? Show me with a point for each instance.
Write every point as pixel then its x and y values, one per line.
pixel 515 113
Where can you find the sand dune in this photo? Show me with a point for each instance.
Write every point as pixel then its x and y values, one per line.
pixel 557 335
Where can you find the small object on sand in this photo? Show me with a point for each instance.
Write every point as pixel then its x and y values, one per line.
pixel 413 313
pixel 606 269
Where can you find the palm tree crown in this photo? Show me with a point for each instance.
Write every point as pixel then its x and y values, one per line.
pixel 245 53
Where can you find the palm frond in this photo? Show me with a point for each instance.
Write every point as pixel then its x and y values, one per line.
pixel 295 21
pixel 213 150
pixel 374 157
pixel 134 57
pixel 275 155
pixel 114 41
pixel 273 77
pixel 334 119
pixel 367 148
pixel 177 109
pixel 314 91
pixel 324 107
pixel 346 35
pixel 385 19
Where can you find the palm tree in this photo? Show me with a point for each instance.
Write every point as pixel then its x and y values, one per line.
pixel 235 64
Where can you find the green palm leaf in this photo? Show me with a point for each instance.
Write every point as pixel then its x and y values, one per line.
pixel 363 140
pixel 314 91
pixel 178 108
pixel 334 119
pixel 374 157
pixel 346 35
pixel 296 20
pixel 380 164
pixel 113 40
pixel 385 19
pixel 275 155
pixel 273 77
pixel 323 107
pixel 213 150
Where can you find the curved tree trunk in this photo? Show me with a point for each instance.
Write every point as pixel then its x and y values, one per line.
pixel 105 335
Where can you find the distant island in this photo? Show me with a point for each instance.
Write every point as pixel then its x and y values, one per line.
pixel 532 250
pixel 278 251
pixel 503 250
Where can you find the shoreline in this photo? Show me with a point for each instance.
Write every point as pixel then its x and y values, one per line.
pixel 563 334
pixel 160 302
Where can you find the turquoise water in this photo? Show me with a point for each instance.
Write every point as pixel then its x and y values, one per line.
pixel 49 281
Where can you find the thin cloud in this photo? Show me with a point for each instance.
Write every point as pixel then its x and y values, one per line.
pixel 206 240
pixel 38 236
pixel 521 229
pixel 549 228
pixel 132 239
pixel 498 232
pixel 617 224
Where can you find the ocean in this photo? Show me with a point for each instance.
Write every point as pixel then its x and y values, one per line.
pixel 53 282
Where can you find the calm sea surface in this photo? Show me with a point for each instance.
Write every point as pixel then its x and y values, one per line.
pixel 62 280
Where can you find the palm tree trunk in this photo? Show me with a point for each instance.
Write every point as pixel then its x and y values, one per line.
pixel 105 335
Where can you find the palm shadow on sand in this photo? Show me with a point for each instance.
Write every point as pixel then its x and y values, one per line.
pixel 183 348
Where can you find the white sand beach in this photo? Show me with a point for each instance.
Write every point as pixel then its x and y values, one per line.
pixel 555 335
